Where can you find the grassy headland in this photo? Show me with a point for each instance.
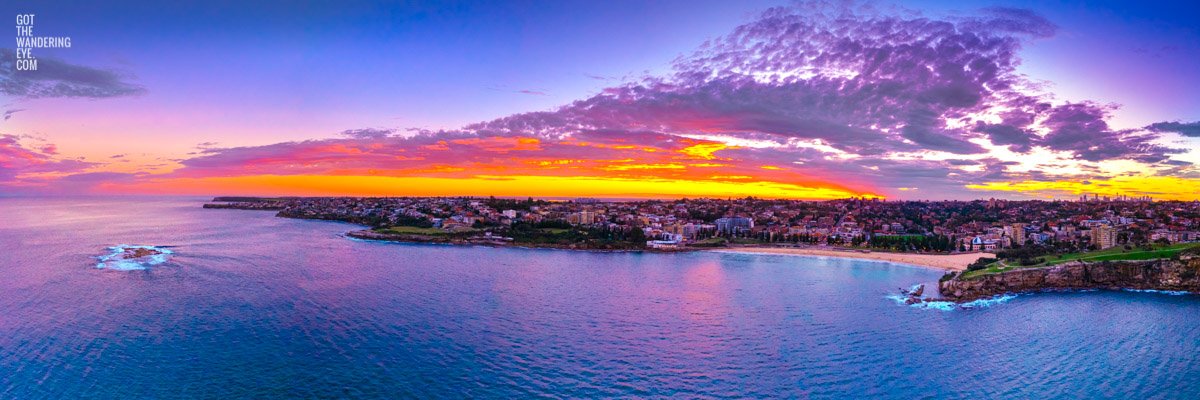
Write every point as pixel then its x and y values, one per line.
pixel 1119 253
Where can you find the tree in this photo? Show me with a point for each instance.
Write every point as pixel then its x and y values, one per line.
pixel 636 235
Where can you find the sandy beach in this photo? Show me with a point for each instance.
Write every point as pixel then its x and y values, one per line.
pixel 950 262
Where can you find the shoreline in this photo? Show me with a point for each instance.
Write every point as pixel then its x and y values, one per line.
pixel 369 235
pixel 948 262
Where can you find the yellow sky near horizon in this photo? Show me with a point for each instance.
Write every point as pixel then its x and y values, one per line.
pixel 481 185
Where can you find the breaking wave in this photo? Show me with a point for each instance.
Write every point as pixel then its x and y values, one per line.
pixel 999 299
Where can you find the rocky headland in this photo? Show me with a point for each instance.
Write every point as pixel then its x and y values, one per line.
pixel 1177 274
pixel 266 206
pixel 368 234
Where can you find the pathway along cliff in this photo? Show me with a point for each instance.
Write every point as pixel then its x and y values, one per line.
pixel 1179 273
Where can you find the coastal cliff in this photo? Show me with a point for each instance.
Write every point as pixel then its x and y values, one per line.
pixel 1181 274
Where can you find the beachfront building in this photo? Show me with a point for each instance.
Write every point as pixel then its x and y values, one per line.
pixel 662 244
pixel 734 225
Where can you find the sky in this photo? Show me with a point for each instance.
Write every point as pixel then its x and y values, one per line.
pixel 665 99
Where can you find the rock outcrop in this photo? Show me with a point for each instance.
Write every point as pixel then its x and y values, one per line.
pixel 1181 274
pixel 368 234
pixel 247 206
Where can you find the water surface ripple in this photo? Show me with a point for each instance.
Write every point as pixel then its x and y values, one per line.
pixel 254 306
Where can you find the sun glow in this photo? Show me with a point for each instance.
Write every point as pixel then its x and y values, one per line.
pixel 485 185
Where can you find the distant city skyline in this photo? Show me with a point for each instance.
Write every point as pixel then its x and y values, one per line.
pixel 907 100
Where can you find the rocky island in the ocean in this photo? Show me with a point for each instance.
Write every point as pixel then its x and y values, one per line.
pixel 133 257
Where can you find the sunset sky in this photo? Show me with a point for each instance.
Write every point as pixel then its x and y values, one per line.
pixel 664 99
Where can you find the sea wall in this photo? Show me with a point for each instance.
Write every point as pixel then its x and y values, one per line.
pixel 1181 274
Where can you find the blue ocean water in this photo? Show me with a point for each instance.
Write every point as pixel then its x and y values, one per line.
pixel 252 306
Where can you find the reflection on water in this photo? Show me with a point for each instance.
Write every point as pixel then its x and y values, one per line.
pixel 248 305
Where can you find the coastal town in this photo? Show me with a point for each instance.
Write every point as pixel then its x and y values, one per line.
pixel 1088 223
pixel 989 248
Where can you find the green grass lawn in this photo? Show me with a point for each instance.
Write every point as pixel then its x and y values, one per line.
pixel 555 230
pixel 410 230
pixel 1119 253
pixel 991 269
pixel 1109 254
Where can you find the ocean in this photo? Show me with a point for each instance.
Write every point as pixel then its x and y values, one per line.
pixel 247 305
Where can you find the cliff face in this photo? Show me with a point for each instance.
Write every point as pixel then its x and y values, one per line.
pixel 1173 275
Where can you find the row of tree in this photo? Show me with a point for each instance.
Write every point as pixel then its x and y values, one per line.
pixel 563 234
pixel 906 242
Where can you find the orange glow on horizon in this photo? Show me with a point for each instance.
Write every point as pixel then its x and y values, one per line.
pixel 500 144
pixel 1158 187
pixel 481 185
pixel 507 166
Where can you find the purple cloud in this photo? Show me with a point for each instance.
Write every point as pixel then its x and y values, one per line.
pixel 9 113
pixel 864 83
pixel 1082 128
pixel 1189 129
pixel 368 133
pixel 56 78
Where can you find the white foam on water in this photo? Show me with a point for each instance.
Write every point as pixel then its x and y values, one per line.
pixel 928 305
pixel 1167 292
pixel 1004 298
pixel 990 301
pixel 116 260
pixel 950 305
